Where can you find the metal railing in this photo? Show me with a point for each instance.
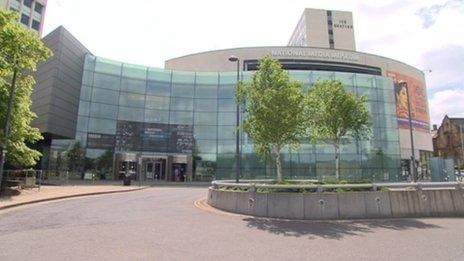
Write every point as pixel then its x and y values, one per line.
pixel 253 185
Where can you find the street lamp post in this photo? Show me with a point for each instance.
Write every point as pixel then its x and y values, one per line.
pixel 237 123
pixel 413 157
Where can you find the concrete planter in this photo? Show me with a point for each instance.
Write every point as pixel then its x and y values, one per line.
pixel 350 205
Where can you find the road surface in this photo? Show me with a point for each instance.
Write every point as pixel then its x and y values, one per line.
pixel 164 224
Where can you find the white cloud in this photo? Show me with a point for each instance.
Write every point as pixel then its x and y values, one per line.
pixel 447 102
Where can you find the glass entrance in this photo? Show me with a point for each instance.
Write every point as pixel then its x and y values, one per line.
pixel 155 170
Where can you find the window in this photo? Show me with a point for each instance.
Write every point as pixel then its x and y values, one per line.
pixel 181 104
pixel 157 102
pixel 131 100
pixel 38 7
pixel 133 85
pixel 205 118
pixel 130 114
pixel 206 105
pixel 103 111
pixel 106 81
pixel 102 126
pixel 28 3
pixel 25 19
pixel 155 116
pixel 35 25
pixel 105 96
pixel 159 88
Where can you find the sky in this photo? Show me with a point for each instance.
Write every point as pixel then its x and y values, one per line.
pixel 426 34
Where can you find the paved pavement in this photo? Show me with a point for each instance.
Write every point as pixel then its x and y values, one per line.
pixel 25 196
pixel 163 224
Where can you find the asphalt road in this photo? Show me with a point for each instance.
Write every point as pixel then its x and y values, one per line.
pixel 163 224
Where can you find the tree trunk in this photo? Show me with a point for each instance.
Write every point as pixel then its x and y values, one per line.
pixel 278 163
pixel 337 160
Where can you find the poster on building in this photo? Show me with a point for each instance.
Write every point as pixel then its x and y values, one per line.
pixel 100 141
pixel 181 140
pixel 153 137
pixel 418 98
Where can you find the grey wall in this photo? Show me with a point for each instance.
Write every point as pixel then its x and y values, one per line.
pixel 55 98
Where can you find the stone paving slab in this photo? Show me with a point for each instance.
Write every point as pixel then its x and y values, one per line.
pixel 47 193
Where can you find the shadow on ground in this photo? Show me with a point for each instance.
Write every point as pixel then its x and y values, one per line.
pixel 6 193
pixel 332 229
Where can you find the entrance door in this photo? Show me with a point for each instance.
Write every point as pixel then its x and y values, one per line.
pixel 149 170
pixel 159 171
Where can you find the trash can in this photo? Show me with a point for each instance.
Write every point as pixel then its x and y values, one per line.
pixel 127 179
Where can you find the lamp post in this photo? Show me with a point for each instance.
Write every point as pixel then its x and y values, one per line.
pixel 413 157
pixel 233 58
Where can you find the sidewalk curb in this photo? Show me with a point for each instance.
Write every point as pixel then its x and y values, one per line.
pixel 68 196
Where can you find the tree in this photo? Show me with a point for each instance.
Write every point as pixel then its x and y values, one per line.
pixel 334 114
pixel 274 110
pixel 75 157
pixel 20 51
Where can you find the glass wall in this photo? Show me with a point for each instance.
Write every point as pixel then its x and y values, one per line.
pixel 140 109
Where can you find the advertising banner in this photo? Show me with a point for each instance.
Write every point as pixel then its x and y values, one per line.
pixel 417 98
pixel 155 137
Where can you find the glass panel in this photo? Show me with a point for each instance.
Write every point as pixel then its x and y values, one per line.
pixel 181 104
pixel 102 126
pixel 159 75
pixel 107 66
pixel 156 116
pixel 183 84
pixel 159 88
pixel 367 81
pixel 133 85
pixel 105 96
pixel 134 71
pixel 86 93
pixel 82 123
pixel 84 108
pixel 206 146
pixel 206 91
pixel 182 90
pixel 157 102
pixel 369 93
pixel 206 105
pixel 205 118
pixel 226 91
pixel 227 118
pixel 130 114
pixel 227 105
pixel 106 81
pixel 226 132
pixel 205 132
pixel 104 111
pixel 181 117
pixel 226 146
pixel 89 63
pixel 131 100
pixel 87 78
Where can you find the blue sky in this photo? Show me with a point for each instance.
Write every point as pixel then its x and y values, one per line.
pixel 426 34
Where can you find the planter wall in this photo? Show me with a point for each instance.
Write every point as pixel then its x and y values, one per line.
pixel 350 205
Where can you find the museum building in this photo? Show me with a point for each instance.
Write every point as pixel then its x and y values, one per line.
pixel 178 123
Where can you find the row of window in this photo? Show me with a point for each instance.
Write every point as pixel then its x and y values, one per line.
pixel 158 88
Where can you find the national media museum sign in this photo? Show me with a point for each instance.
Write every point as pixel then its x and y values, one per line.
pixel 319 54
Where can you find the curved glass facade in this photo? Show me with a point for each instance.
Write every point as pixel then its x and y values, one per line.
pixel 127 108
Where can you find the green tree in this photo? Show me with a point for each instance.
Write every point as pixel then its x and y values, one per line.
pixel 274 110
pixel 75 157
pixel 334 115
pixel 20 51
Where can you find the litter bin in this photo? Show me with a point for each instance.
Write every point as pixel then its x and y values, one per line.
pixel 127 179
